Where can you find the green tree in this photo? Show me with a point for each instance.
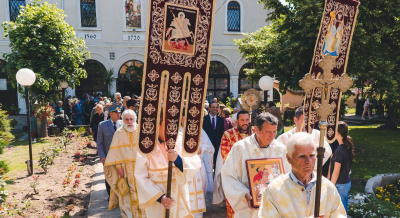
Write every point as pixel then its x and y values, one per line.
pixel 284 48
pixel 375 53
pixel 41 40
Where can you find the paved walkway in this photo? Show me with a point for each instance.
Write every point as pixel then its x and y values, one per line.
pixel 98 196
pixel 98 199
pixel 355 120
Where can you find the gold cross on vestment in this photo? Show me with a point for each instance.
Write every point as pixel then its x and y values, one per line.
pixel 326 81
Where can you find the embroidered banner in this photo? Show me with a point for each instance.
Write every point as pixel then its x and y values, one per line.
pixel 178 47
pixel 334 39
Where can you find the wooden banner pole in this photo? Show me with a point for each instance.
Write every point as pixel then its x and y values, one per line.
pixel 320 156
pixel 169 182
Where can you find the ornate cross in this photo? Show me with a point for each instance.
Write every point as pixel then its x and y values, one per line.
pixel 326 81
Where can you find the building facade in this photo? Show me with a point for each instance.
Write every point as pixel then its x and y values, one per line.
pixel 114 32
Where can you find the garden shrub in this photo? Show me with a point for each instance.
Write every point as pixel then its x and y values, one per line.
pixel 3 144
pixel 45 159
pixel 5 128
pixel 3 190
pixel 3 167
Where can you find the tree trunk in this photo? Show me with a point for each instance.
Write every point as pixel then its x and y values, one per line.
pixel 391 121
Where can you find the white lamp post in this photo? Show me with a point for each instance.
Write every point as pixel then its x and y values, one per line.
pixel 26 77
pixel 266 83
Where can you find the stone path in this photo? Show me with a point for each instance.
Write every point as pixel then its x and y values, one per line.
pixel 355 120
pixel 98 196
pixel 98 199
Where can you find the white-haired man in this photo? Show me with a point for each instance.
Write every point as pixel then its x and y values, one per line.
pixel 120 163
pixel 293 194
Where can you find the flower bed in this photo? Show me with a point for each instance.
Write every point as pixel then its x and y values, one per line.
pixel 389 193
pixel 64 190
pixel 384 203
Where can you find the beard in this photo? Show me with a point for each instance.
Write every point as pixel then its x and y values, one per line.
pixel 243 129
pixel 130 127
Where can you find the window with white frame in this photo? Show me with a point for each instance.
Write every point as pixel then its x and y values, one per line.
pixel 15 6
pixel 233 16
pixel 88 13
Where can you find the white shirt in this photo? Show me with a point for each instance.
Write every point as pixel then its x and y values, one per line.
pixel 211 117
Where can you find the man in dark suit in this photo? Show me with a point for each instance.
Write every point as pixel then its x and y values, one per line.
pixel 105 133
pixel 213 125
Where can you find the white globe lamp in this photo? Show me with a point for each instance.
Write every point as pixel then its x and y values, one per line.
pixel 25 77
pixel 266 83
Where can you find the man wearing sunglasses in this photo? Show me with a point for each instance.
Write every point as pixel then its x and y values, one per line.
pixel 118 99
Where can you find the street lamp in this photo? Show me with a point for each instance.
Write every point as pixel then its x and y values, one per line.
pixel 26 77
pixel 63 85
pixel 266 83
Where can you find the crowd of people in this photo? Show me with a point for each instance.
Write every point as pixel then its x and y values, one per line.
pixel 90 110
pixel 137 183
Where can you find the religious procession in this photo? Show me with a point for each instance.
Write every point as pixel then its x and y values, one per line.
pixel 199 109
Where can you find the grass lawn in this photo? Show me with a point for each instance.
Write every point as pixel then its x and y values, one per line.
pixel 377 152
pixel 16 155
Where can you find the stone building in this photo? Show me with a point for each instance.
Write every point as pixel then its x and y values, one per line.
pixel 114 31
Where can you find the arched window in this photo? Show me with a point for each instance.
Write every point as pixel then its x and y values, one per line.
pixel 233 17
pixel 88 13
pixel 244 83
pixel 276 96
pixel 218 81
pixel 130 83
pixel 15 6
pixel 7 92
pixel 94 81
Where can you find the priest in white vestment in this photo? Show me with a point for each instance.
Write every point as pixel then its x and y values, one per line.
pixel 198 184
pixel 293 194
pixel 151 176
pixel 207 158
pixel 257 146
pixel 120 163
pixel 299 121
pixel 218 197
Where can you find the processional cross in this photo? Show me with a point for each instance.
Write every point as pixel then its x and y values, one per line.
pixel 328 81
